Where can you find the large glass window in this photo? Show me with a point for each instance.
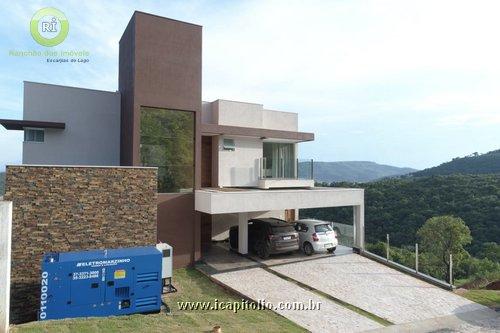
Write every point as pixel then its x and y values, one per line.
pixel 167 142
pixel 279 160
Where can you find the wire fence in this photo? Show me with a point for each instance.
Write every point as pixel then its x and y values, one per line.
pixel 411 257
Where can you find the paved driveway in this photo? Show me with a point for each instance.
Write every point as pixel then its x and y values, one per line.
pixel 259 285
pixel 248 278
pixel 377 288
pixel 411 304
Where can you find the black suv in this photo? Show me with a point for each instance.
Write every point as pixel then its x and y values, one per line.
pixel 267 236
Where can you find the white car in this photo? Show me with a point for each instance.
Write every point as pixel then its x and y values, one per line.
pixel 316 236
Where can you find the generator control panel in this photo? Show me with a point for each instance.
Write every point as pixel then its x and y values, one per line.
pixel 101 283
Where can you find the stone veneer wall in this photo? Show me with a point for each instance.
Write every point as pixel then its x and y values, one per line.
pixel 63 209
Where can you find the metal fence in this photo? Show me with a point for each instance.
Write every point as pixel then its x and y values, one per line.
pixel 409 257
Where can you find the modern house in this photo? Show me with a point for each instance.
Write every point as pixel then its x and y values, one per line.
pixel 219 163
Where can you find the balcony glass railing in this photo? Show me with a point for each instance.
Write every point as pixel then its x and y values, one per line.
pixel 305 168
pixel 282 168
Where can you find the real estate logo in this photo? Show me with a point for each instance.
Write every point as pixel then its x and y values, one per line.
pixel 49 27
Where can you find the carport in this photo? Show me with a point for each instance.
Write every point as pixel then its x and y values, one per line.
pixel 244 201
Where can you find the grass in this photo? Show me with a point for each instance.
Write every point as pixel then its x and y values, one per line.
pixel 489 298
pixel 192 286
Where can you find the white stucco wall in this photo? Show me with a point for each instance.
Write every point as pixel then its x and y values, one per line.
pixel 238 114
pixel 5 254
pixel 255 201
pixel 241 114
pixel 92 118
pixel 223 202
pixel 280 120
pixel 241 166
pixel 206 113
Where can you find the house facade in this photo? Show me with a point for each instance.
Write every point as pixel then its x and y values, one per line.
pixel 219 163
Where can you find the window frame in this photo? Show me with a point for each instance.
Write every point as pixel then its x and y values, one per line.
pixel 228 144
pixel 193 116
pixel 34 130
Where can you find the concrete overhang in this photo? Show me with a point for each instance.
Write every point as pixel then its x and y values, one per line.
pixel 19 125
pixel 267 183
pixel 214 129
pixel 229 200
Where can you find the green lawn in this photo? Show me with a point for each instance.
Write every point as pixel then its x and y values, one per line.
pixel 192 286
pixel 490 298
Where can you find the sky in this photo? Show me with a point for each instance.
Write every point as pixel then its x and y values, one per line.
pixel 404 83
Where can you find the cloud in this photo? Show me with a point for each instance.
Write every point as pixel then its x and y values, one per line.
pixel 11 146
pixel 371 77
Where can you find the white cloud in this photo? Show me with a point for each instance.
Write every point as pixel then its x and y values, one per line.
pixel 363 74
pixel 10 147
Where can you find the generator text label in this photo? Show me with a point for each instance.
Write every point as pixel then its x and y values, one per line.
pixel 101 263
pixel 85 275
pixel 43 296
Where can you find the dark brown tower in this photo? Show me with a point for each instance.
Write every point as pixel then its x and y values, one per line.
pixel 160 67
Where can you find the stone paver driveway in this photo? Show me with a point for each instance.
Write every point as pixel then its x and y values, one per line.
pixel 411 304
pixel 376 288
pixel 258 284
pixel 248 278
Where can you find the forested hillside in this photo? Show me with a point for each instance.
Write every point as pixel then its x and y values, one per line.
pixel 352 171
pixel 401 206
pixel 472 164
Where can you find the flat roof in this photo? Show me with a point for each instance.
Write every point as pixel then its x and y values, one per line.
pixel 244 190
pixel 214 129
pixel 19 125
pixel 214 201
pixel 71 87
pixel 165 18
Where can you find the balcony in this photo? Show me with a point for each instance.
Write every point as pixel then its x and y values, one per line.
pixel 285 173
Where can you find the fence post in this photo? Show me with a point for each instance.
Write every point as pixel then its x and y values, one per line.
pixel 387 249
pixel 5 262
pixel 312 169
pixel 297 169
pixel 451 270
pixel 260 167
pixel 416 257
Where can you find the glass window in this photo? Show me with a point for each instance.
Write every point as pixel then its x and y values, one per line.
pixel 301 227
pixel 228 144
pixel 167 142
pixel 34 135
pixel 283 229
pixel 322 228
pixel 279 160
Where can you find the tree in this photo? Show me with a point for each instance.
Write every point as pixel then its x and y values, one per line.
pixel 491 251
pixel 444 235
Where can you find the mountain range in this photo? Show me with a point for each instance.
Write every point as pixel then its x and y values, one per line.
pixel 366 171
pixel 353 171
pixel 471 164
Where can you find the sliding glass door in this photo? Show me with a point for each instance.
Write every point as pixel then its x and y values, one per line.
pixel 278 160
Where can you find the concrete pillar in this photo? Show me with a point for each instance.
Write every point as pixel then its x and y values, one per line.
pixel 243 233
pixel 359 226
pixel 5 254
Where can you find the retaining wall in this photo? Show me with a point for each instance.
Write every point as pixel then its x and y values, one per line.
pixel 59 209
